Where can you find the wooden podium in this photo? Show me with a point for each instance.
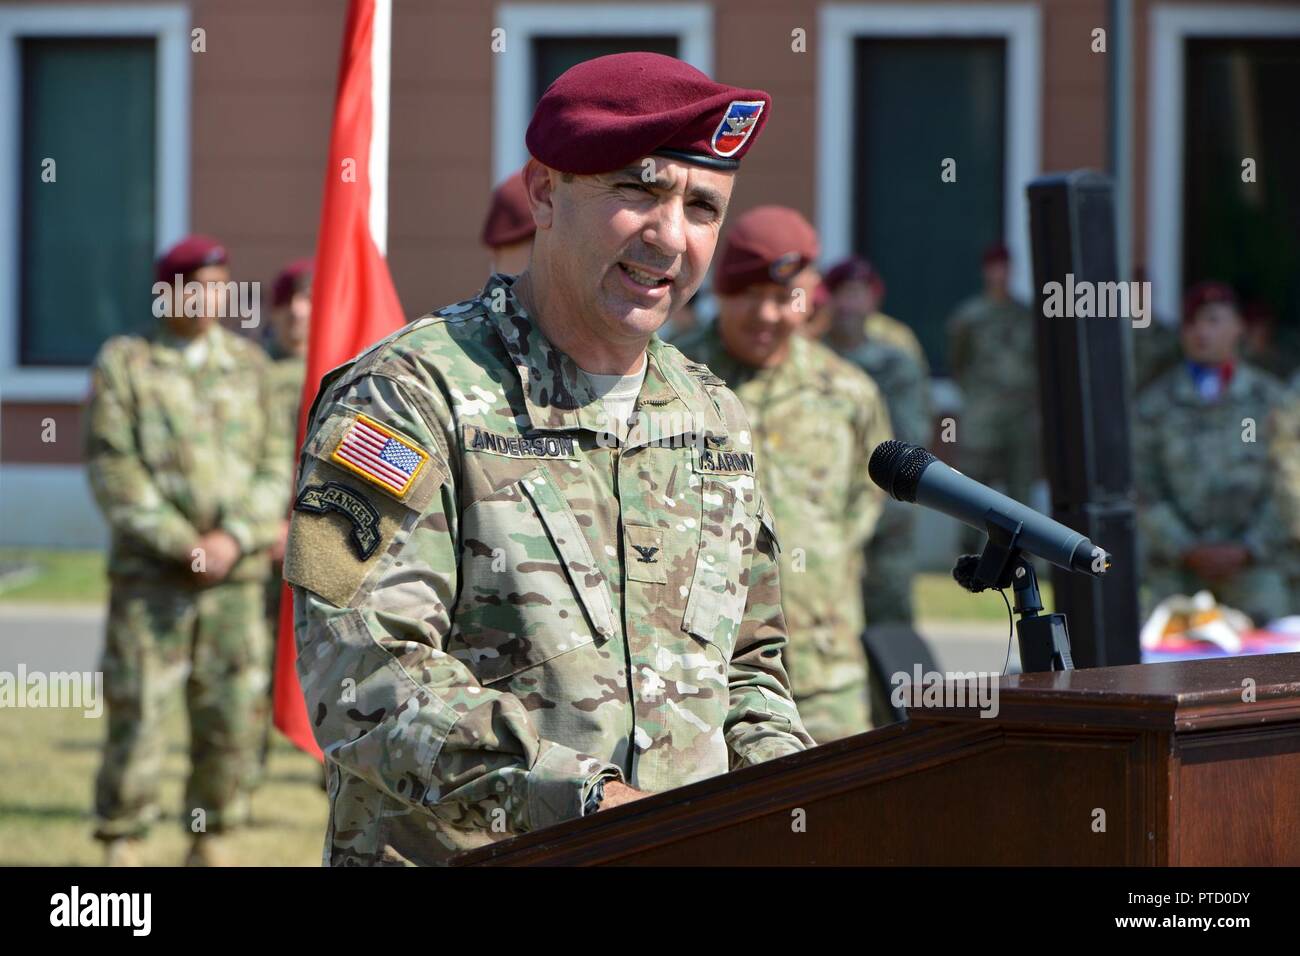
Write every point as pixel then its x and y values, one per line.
pixel 1190 764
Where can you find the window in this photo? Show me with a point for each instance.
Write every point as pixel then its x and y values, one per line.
pixel 925 235
pixel 1240 102
pixel 87 195
pixel 883 68
pixel 553 55
pixel 545 39
pixel 103 90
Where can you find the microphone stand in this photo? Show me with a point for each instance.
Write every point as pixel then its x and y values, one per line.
pixel 1044 639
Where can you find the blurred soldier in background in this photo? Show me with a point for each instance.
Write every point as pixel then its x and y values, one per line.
pixel 1284 460
pixel 891 552
pixel 815 420
pixel 287 347
pixel 509 227
pixel 856 288
pixel 991 354
pixel 1156 345
pixel 1263 343
pixel 818 323
pixel 192 479
pixel 1209 512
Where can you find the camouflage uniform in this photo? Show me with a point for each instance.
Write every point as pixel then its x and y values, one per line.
pixel 991 354
pixel 1198 481
pixel 284 381
pixel 539 608
pixel 172 452
pixel 1157 348
pixel 879 327
pixel 891 552
pixel 816 419
pixel 1284 458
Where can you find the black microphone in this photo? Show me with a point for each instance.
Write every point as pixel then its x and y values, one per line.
pixel 910 473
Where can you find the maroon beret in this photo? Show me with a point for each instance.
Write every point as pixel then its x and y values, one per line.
pixel 190 254
pixel 852 269
pixel 766 244
pixel 995 252
pixel 1202 294
pixel 509 218
pixel 291 279
pixel 821 295
pixel 606 113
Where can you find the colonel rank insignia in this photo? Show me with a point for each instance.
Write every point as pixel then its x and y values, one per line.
pixel 378 455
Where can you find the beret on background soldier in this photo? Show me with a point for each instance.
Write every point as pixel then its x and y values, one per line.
pixel 509 220
pixel 1206 293
pixel 189 255
pixel 766 244
pixel 499 612
pixel 292 279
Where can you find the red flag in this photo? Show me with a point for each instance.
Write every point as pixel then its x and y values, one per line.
pixel 353 300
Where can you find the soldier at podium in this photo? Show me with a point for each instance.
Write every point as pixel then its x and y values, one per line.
pixel 534 572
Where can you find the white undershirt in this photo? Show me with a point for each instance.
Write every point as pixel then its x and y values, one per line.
pixel 196 351
pixel 618 394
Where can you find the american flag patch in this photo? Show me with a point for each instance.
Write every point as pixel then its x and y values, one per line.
pixel 377 455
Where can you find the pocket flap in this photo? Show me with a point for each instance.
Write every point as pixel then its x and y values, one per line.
pixel 584 574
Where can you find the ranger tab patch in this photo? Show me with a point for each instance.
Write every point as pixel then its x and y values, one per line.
pixel 378 455
pixel 361 514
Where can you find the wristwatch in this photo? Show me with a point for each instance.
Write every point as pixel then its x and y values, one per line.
pixel 596 795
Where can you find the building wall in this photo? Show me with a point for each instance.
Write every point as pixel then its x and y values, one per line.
pixel 262 97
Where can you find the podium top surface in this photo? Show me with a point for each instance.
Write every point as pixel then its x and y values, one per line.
pixel 1186 696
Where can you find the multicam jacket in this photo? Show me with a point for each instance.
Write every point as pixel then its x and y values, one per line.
pixel 816 420
pixel 174 451
pixel 497 604
pixel 1201 468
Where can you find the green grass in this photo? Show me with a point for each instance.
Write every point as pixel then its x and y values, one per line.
pixel 937 597
pixel 48 762
pixel 62 577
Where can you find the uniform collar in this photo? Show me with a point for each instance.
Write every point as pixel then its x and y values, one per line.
pixel 169 349
pixel 1240 382
pixel 556 396
pixel 795 367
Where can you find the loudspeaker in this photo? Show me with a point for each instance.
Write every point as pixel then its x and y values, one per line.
pixel 1084 386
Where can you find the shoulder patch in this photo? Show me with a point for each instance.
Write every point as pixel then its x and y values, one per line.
pixel 380 456
pixel 702 373
pixel 351 504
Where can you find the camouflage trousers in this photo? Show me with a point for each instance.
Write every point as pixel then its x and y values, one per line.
pixel 212 643
pixel 890 566
pixel 263 716
pixel 831 714
pixel 1260 592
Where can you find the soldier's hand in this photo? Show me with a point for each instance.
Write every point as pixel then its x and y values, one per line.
pixel 277 549
pixel 617 794
pixel 220 552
